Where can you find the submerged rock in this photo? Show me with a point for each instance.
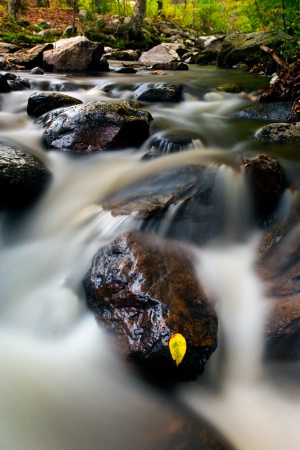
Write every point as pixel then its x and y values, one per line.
pixel 22 178
pixel 143 289
pixel 40 103
pixel 96 126
pixel 277 112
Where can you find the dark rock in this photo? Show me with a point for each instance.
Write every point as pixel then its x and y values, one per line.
pixel 103 65
pixel 170 66
pixel 32 57
pixel 267 183
pixel 96 126
pixel 77 54
pixel 124 55
pixel 280 133
pixel 19 84
pixel 154 194
pixel 159 92
pixel 245 47
pixel 70 31
pixel 144 289
pixel 277 112
pixel 22 178
pixel 40 103
pixel 278 264
pixel 4 86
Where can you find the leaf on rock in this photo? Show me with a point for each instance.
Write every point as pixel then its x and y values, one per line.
pixel 177 346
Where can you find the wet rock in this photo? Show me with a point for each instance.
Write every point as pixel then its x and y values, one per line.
pixel 103 65
pixel 4 86
pixel 151 196
pixel 170 66
pixel 159 92
pixel 267 183
pixel 96 126
pixel 169 144
pixel 143 289
pixel 37 71
pixel 278 264
pixel 209 54
pixel 77 54
pixel 40 103
pixel 163 53
pixel 280 133
pixel 277 112
pixel 32 57
pixel 125 69
pixel 22 178
pixel 245 47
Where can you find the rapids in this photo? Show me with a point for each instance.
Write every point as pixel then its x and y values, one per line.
pixel 62 387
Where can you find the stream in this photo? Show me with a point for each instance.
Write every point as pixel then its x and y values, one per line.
pixel 62 386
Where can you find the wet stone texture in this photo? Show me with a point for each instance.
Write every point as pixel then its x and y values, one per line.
pixel 96 126
pixel 23 178
pixel 278 264
pixel 42 102
pixel 143 289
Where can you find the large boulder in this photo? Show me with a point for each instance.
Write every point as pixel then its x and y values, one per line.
pixel 77 54
pixel 163 53
pixel 95 125
pixel 245 47
pixel 30 58
pixel 272 112
pixel 40 103
pixel 22 178
pixel 144 290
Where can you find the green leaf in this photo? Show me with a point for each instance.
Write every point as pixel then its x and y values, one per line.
pixel 177 346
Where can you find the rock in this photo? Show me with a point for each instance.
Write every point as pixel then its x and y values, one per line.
pixel 279 266
pixel 125 69
pixel 170 143
pixel 170 66
pixel 70 31
pixel 169 29
pixel 32 57
pixel 96 126
pixel 230 88
pixel 8 48
pixel 49 33
pixel 245 47
pixel 37 71
pixel 18 84
pixel 279 133
pixel 163 53
pixel 103 65
pixel 209 54
pixel 159 92
pixel 124 55
pixel 4 86
pixel 73 55
pixel 22 178
pixel 277 112
pixel 40 103
pixel 267 183
pixel 143 289
pixel 151 196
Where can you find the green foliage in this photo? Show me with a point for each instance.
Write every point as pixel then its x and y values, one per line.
pixel 21 38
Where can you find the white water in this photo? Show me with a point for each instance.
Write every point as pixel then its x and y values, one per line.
pixel 61 385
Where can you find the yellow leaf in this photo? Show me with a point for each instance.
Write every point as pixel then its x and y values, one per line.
pixel 177 346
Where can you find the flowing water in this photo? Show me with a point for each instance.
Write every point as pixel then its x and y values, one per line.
pixel 61 385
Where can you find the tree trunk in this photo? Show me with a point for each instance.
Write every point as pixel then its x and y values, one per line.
pixel 135 30
pixel 13 7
